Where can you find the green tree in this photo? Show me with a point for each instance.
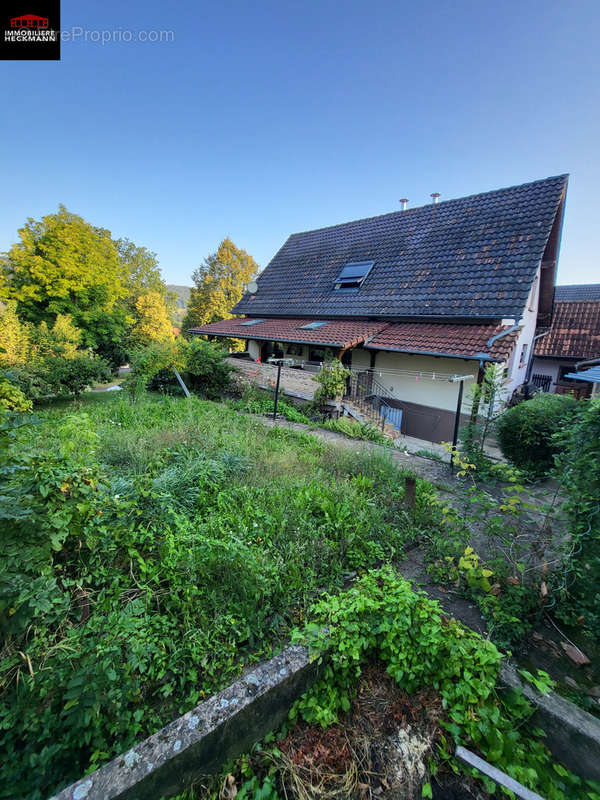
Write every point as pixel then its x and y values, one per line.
pixel 15 337
pixel 64 265
pixel 140 273
pixel 153 323
pixel 219 285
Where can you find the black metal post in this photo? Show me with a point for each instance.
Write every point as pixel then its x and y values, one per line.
pixel 456 422
pixel 277 391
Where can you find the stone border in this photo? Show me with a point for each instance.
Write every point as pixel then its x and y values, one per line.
pixel 229 723
pixel 572 735
pixel 198 743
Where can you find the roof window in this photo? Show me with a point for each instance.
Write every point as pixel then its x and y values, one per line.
pixel 352 275
pixel 251 322
pixel 312 325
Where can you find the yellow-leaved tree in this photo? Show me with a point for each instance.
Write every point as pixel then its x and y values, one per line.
pixel 153 323
pixel 219 285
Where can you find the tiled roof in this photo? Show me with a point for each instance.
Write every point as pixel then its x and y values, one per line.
pixel 337 333
pixel 577 291
pixel 575 331
pixel 471 257
pixel 464 341
pixel 467 341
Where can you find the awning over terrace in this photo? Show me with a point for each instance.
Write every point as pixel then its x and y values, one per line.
pixel 491 342
pixel 332 333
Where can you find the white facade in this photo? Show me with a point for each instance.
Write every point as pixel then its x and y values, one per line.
pixel 424 380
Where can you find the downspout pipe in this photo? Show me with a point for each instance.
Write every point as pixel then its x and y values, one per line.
pixel 532 353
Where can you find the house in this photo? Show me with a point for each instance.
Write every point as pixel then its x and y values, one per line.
pixel 415 298
pixel 573 338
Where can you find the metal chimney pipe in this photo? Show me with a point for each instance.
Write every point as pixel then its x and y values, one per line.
pixel 436 197
pixel 404 201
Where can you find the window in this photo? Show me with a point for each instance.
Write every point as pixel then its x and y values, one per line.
pixel 311 326
pixel 295 350
pixel 523 355
pixel 252 322
pixel 353 275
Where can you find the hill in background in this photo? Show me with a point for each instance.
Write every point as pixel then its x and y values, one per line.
pixel 183 296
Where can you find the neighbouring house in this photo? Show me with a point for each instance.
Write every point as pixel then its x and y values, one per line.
pixel 573 338
pixel 413 299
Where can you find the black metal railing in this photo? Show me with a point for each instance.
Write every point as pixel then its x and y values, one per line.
pixel 543 382
pixel 369 396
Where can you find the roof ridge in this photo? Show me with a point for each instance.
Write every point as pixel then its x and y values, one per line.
pixel 564 176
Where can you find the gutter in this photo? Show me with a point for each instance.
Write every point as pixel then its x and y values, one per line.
pixel 591 363
pixel 476 357
pixel 501 335
pixel 532 355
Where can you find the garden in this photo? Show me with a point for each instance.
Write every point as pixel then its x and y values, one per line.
pixel 156 545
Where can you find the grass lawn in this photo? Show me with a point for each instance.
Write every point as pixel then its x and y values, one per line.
pixel 152 550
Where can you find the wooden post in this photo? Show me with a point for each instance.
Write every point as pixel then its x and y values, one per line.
pixel 410 486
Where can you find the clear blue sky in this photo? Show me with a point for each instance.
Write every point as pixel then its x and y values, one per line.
pixel 264 118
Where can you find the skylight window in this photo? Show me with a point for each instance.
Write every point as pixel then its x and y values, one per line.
pixel 252 322
pixel 312 325
pixel 353 275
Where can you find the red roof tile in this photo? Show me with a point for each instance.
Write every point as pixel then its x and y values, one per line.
pixel 336 333
pixel 575 331
pixel 445 339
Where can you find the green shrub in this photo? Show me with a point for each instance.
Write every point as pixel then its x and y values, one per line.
pixel 525 432
pixel 332 377
pixel 59 375
pixel 357 430
pixel 382 618
pixel 202 366
pixel 12 398
pixel 208 372
pixel 579 465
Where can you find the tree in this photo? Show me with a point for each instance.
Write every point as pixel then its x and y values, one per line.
pixel 15 337
pixel 64 265
pixel 219 285
pixel 140 273
pixel 153 324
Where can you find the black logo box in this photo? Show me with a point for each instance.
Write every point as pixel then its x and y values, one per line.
pixel 44 49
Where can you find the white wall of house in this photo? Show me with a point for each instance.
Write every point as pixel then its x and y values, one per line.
pixel 361 359
pixel 547 366
pixel 424 389
pixel 517 366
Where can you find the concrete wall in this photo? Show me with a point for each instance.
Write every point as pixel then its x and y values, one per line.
pixel 254 348
pixel 361 359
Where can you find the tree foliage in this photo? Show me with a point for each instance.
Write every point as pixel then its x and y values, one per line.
pixel 140 274
pixel 526 431
pixel 153 323
pixel 579 467
pixel 219 285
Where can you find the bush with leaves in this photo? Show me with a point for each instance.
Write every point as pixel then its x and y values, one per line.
pixel 202 365
pixel 382 618
pixel 12 398
pixel 579 467
pixel 526 431
pixel 332 379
